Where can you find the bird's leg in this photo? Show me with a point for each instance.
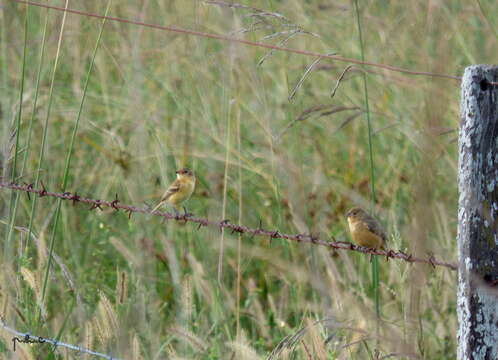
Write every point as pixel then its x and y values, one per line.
pixel 187 214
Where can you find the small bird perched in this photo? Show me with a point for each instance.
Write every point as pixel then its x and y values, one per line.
pixel 179 191
pixel 365 230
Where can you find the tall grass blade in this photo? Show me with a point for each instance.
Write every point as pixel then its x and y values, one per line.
pixel 69 154
pixel 15 196
pixel 33 114
pixel 375 261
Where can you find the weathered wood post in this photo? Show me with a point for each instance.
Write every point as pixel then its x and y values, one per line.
pixel 477 304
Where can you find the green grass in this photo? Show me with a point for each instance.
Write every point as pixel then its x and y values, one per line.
pixel 138 288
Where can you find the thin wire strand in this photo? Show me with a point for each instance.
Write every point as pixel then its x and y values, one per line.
pixel 27 338
pixel 226 224
pixel 246 42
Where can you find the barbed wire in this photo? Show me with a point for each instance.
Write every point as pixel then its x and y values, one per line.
pixel 242 41
pixel 27 338
pixel 226 224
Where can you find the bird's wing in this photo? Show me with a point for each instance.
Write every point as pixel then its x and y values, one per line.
pixel 173 188
pixel 374 226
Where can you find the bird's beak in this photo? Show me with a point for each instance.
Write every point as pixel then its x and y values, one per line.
pixel 176 172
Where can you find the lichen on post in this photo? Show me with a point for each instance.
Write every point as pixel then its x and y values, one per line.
pixel 477 304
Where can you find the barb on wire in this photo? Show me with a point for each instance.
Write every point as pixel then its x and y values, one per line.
pixel 242 41
pixel 272 234
pixel 27 338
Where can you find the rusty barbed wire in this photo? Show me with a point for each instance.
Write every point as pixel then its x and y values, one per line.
pixel 235 228
pixel 242 41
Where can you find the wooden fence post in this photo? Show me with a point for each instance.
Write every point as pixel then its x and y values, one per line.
pixel 477 303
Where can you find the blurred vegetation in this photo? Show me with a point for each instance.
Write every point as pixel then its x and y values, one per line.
pixel 156 101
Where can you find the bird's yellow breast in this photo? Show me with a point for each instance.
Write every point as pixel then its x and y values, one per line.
pixel 363 236
pixel 186 188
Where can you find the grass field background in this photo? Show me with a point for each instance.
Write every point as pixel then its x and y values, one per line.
pixel 157 101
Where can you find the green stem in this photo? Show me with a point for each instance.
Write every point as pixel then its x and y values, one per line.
pixel 15 196
pixel 68 157
pixel 42 149
pixel 375 261
pixel 33 114
pixel 40 157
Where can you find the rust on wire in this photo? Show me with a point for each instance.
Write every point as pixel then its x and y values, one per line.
pixel 224 224
pixel 43 191
pixel 97 205
pixel 238 229
pixel 115 202
pixel 275 234
pixel 432 260
pixel 313 238
pixel 75 198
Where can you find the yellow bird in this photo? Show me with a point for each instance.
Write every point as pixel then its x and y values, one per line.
pixel 179 191
pixel 365 230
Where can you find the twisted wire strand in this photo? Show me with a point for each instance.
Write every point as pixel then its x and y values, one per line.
pixel 235 228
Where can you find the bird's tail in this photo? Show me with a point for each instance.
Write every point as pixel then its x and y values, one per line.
pixel 157 206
